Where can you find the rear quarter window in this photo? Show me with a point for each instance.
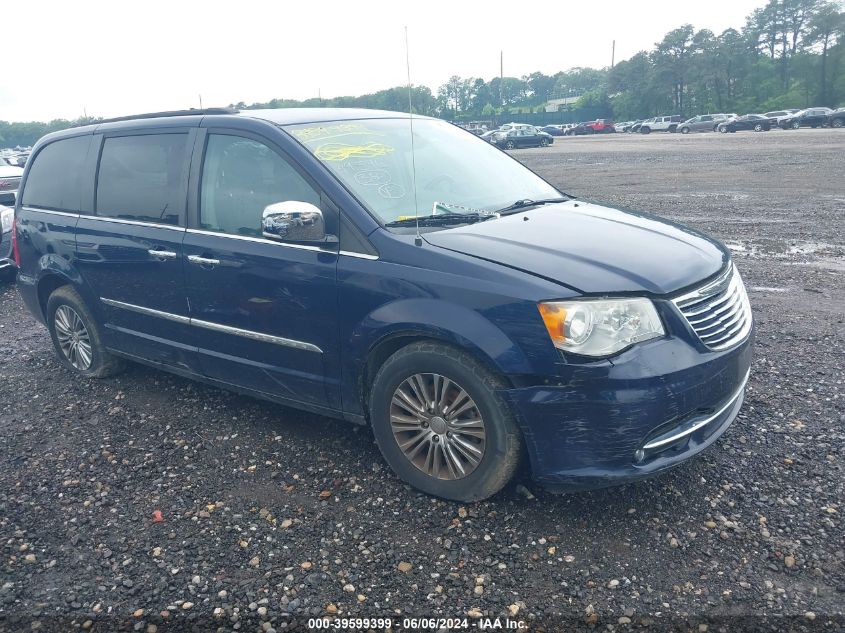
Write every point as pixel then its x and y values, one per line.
pixel 54 180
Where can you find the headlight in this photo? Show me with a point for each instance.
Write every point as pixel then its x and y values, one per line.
pixel 7 218
pixel 600 327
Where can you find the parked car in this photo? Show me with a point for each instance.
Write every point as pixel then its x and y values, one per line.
pixel 776 116
pixel 7 259
pixel 579 129
pixel 469 320
pixel 635 126
pixel 702 123
pixel 836 118
pixel 660 124
pixel 601 126
pixel 522 137
pixel 622 126
pixel 756 122
pixel 811 117
pixel 10 179
pixel 553 130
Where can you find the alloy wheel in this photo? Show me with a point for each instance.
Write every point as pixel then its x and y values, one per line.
pixel 437 426
pixel 73 337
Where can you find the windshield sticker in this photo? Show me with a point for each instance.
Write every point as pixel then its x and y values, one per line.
pixel 341 152
pixel 324 132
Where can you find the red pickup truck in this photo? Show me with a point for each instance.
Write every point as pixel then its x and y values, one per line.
pixel 601 126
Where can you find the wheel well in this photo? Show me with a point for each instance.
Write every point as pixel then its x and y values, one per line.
pixel 385 349
pixel 47 286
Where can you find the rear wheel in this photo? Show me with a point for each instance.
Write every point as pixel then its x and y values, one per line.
pixel 76 336
pixel 685 130
pixel 796 125
pixel 440 425
pixel 645 130
pixel 510 145
pixel 544 142
pixel 723 129
pixel 836 123
pixel 758 128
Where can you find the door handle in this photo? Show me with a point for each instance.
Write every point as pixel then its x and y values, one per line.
pixel 203 261
pixel 162 254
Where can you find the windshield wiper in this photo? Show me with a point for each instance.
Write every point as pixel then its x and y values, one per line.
pixel 527 202
pixel 443 219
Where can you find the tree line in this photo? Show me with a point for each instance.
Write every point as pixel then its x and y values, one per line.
pixel 788 53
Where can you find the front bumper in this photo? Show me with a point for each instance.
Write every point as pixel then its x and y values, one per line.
pixel 630 417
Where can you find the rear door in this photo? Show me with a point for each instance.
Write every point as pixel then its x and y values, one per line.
pixel 265 312
pixel 129 246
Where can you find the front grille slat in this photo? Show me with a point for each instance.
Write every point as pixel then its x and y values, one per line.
pixel 718 312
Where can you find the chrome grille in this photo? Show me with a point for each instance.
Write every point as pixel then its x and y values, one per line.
pixel 719 311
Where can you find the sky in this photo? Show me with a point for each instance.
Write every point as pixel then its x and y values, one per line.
pixel 119 57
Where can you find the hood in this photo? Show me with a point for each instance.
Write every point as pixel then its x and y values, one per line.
pixel 591 249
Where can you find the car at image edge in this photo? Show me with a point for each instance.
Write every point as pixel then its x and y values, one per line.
pixel 478 317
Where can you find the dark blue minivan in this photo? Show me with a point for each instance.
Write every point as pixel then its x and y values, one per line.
pixel 395 272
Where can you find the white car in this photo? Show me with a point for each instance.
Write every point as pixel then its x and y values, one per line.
pixel 10 179
pixel 661 124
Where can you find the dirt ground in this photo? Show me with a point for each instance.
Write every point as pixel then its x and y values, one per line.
pixel 272 516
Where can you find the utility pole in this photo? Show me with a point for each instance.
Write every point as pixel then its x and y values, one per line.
pixel 200 96
pixel 613 55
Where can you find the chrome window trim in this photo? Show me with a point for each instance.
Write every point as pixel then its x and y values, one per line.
pixel 178 318
pixel 171 227
pixel 217 327
pixel 261 240
pixel 66 214
pixel 359 255
pixel 693 425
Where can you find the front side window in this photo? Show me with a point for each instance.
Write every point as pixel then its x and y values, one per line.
pixel 240 178
pixel 143 178
pixel 373 158
pixel 54 178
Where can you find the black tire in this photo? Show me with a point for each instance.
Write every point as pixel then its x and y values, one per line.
pixel 723 129
pixel 544 142
pixel 685 130
pixel 645 130
pixel 836 123
pixel 102 364
pixel 796 125
pixel 510 145
pixel 758 127
pixel 503 443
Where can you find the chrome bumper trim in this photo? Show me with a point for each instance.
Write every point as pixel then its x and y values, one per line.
pixel 691 426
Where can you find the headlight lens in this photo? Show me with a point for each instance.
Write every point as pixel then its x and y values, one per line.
pixel 600 327
pixel 7 217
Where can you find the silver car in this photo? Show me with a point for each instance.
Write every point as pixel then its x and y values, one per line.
pixel 702 123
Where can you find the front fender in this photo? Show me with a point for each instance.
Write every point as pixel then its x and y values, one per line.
pixel 430 318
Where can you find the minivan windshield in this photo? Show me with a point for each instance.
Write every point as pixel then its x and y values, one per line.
pixel 455 170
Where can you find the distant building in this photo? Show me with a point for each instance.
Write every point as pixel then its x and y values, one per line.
pixel 553 105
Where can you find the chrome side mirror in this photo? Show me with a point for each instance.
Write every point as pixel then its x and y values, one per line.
pixel 293 221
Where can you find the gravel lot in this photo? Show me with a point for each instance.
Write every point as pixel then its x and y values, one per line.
pixel 271 516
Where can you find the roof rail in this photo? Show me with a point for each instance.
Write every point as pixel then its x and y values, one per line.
pixel 157 115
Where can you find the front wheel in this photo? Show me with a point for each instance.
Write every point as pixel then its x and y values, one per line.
pixel 723 130
pixel 76 336
pixel 645 130
pixel 440 424
pixel 758 128
pixel 510 145
pixel 684 130
pixel 836 123
pixel 544 142
pixel 796 125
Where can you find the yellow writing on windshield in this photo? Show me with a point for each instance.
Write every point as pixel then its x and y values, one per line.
pixel 340 151
pixel 324 132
